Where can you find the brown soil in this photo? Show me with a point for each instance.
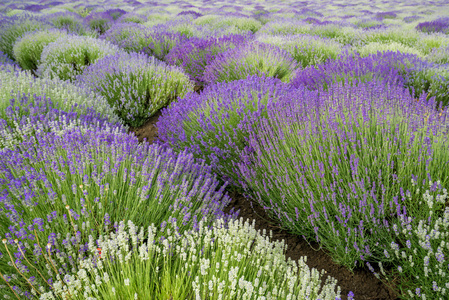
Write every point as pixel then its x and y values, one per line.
pixel 148 130
pixel 361 282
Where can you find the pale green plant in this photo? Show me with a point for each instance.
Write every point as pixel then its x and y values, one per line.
pixel 68 56
pixel 285 26
pixel 242 23
pixel 392 34
pixel 305 49
pixel 429 42
pixel 374 47
pixel 28 49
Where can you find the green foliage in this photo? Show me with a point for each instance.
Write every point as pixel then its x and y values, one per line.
pixel 305 49
pixel 242 23
pixel 28 49
pixel 374 47
pixel 68 56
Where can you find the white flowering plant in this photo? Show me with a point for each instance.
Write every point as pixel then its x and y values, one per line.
pixel 230 260
pixel 420 250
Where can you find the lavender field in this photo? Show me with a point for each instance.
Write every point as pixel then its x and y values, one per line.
pixel 175 150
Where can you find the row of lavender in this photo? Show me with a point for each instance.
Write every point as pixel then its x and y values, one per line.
pixel 336 143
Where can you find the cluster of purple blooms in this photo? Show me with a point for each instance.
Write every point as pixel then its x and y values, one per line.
pixel 438 25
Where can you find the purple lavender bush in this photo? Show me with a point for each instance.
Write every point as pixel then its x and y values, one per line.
pixel 210 125
pixel 196 53
pixel 253 58
pixel 68 56
pixel 330 165
pixel 135 85
pixel 411 19
pixel 116 13
pixel 160 42
pixel 385 15
pixel 59 190
pixel 432 79
pixel 190 13
pixel 99 21
pixel 438 25
pixel 408 70
pixel 353 69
